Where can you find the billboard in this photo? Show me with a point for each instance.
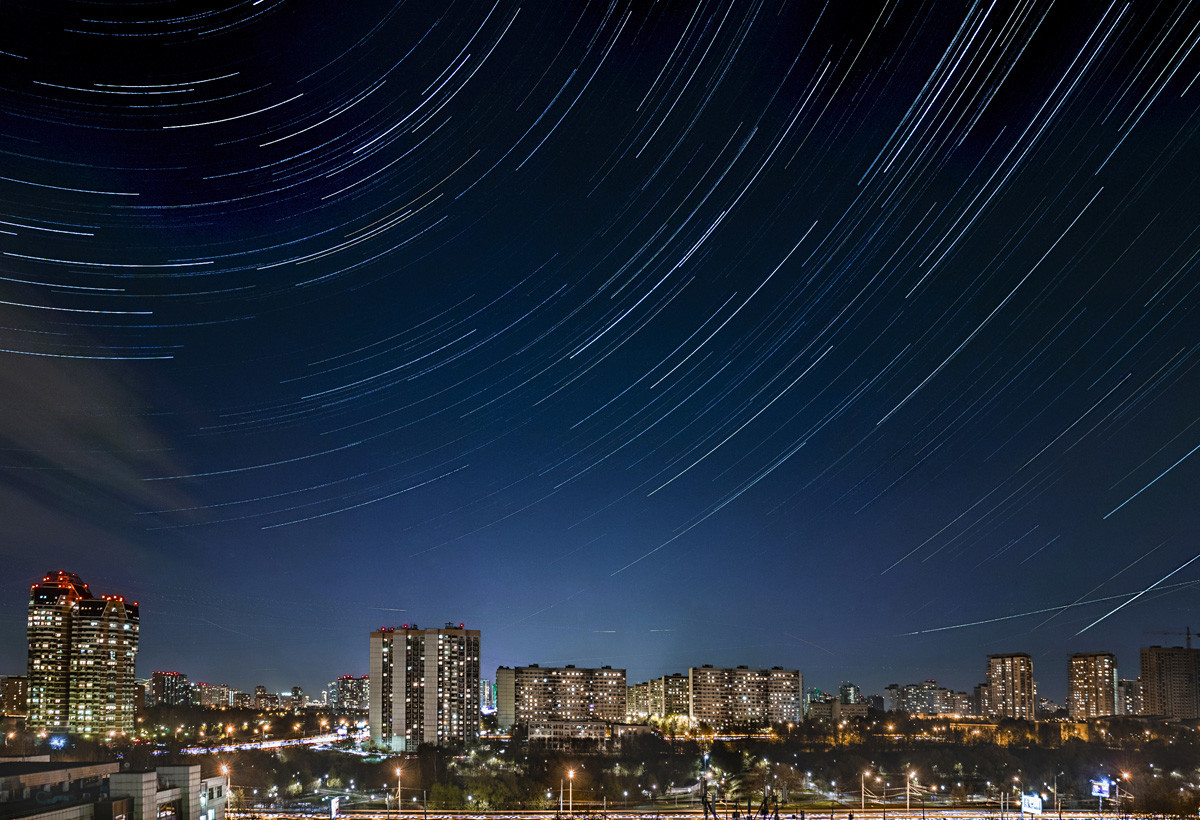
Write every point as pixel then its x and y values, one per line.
pixel 1099 788
pixel 333 807
pixel 1031 804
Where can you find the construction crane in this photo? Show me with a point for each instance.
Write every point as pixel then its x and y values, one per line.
pixel 1187 632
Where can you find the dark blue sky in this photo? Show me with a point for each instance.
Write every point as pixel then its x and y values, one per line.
pixel 862 341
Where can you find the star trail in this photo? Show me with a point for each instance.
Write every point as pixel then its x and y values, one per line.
pixel 643 333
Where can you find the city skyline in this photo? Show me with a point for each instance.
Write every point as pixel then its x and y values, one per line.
pixel 859 340
pixel 161 686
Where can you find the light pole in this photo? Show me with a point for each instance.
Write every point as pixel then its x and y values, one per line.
pixel 571 792
pixel 862 787
pixel 399 805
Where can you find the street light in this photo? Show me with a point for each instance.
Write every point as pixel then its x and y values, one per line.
pixel 571 792
pixel 399 805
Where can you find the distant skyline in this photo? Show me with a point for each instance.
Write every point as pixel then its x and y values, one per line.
pixel 488 672
pixel 857 339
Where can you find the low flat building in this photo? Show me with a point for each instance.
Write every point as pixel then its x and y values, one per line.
pixel 36 789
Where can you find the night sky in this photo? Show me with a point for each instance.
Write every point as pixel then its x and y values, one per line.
pixel 857 339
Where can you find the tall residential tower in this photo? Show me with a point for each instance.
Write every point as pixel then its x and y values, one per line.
pixel 424 686
pixel 1010 690
pixel 1171 681
pixel 1092 685
pixel 81 659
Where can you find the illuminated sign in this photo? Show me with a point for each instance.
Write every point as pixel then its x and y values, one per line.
pixel 1099 788
pixel 1031 804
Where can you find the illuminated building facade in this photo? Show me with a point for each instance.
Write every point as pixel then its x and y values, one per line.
pixel 349 694
pixel 1171 682
pixel 1092 685
pixel 81 659
pixel 13 701
pixel 169 689
pixel 424 686
pixel 1010 688
pixel 540 695
pixel 104 644
pixel 1129 697
pixel 725 698
pixel 637 700
pixel 214 695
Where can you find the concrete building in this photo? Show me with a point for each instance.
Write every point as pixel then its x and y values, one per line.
pixel 169 689
pixel 36 789
pixel 1129 697
pixel 424 686
pixel 1010 690
pixel 81 659
pixel 834 710
pixel 536 695
pixel 349 694
pixel 1171 681
pixel 13 701
pixel 927 698
pixel 1092 685
pixel 213 695
pixel 637 700
pixel 725 698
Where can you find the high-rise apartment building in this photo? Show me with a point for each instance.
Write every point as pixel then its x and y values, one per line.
pixel 81 659
pixel 537 695
pixel 1092 685
pixel 1129 697
pixel 723 698
pixel 637 700
pixel 424 686
pixel 1010 689
pixel 1171 681
pixel 13 701
pixel 667 695
pixel 169 689
pixel 104 644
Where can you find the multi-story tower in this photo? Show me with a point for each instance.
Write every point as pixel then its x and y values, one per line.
pixel 487 697
pixel 81 659
pixel 637 700
pixel 537 695
pixel 424 686
pixel 1129 697
pixel 169 689
pixel 1171 681
pixel 675 697
pixel 52 605
pixel 785 695
pixel 1092 685
pixel 104 644
pixel 1011 691
pixel 13 699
